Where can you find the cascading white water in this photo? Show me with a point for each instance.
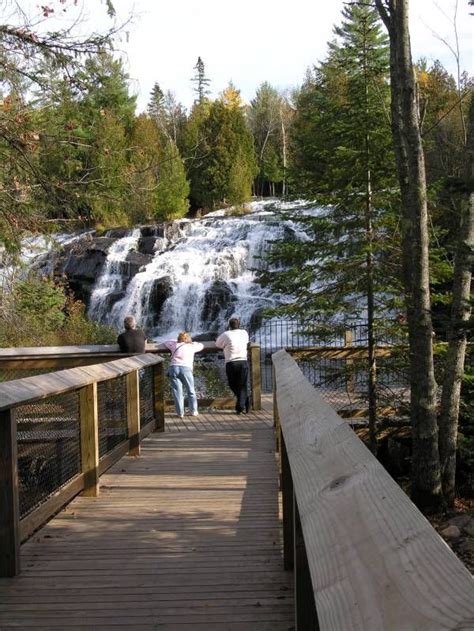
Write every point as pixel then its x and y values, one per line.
pixel 215 251
pixel 111 278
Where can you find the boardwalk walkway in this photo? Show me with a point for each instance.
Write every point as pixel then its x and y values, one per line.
pixel 185 537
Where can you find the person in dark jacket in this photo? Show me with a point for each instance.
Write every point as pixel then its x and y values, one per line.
pixel 132 340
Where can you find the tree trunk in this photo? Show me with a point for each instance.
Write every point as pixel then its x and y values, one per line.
pixel 426 474
pixel 457 335
pixel 284 157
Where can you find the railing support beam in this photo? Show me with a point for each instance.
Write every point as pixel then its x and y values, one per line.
pixel 305 608
pixel 89 439
pixel 287 493
pixel 133 412
pixel 159 396
pixel 255 376
pixel 9 502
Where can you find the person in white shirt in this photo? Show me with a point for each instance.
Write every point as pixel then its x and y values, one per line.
pixel 180 372
pixel 234 342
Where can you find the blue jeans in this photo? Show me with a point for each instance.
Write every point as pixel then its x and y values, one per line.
pixel 179 376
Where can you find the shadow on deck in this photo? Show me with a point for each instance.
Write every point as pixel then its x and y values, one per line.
pixel 187 536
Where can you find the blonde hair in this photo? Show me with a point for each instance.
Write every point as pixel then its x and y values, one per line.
pixel 184 337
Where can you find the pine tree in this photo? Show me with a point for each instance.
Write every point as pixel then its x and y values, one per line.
pixel 227 165
pixel 155 103
pixel 201 82
pixel 342 156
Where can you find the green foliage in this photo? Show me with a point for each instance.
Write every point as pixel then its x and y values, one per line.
pixel 342 157
pixel 173 188
pixel 39 312
pixel 267 116
pixel 226 166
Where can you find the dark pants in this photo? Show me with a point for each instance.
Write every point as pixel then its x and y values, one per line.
pixel 237 373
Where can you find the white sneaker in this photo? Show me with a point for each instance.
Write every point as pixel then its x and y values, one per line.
pixel 195 414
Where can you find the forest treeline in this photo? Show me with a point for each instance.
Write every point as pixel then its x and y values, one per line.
pixel 383 145
pixel 74 149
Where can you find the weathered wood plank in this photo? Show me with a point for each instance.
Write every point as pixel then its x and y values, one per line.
pixel 133 412
pixel 376 563
pixel 9 509
pixel 186 536
pixel 89 418
pixel 21 391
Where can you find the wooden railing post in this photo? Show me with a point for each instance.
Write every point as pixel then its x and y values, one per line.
pixel 159 396
pixel 255 376
pixel 287 493
pixel 89 439
pixel 305 609
pixel 9 500
pixel 133 412
pixel 348 341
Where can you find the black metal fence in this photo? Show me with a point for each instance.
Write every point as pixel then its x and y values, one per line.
pixel 342 382
pixel 48 435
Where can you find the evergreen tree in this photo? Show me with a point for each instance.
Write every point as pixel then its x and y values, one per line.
pixel 201 82
pixel 155 103
pixel 227 162
pixel 173 188
pixel 346 269
pixel 159 188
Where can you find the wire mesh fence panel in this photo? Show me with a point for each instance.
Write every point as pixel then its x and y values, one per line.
pixel 112 410
pixel 146 395
pixel 210 381
pixel 342 382
pixel 10 374
pixel 49 452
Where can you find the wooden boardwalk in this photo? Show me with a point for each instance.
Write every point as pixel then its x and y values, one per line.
pixel 187 536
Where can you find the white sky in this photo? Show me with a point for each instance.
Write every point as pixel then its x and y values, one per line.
pixel 251 41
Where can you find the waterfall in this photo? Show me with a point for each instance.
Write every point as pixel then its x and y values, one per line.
pixel 111 281
pixel 201 272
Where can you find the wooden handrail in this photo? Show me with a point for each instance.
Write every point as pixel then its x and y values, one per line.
pixel 28 389
pixel 364 556
pixel 62 357
pixel 83 381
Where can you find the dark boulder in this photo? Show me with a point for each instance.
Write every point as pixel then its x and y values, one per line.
pixel 111 299
pixel 219 297
pixel 82 264
pixel 146 245
pixel 160 291
pixel 136 262
pixel 86 258
pixel 153 231
pixel 118 233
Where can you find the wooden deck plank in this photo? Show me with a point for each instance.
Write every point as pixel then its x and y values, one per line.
pixel 187 536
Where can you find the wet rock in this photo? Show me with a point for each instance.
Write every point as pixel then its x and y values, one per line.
pixel 146 245
pixel 157 230
pixel 111 299
pixel 451 532
pixel 160 291
pixel 469 527
pixel 460 521
pixel 118 233
pixel 86 258
pixel 218 298
pixel 136 262
pixel 82 264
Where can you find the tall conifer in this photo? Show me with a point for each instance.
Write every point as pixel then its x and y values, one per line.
pixel 342 157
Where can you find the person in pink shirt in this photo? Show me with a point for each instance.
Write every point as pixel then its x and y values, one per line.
pixel 180 372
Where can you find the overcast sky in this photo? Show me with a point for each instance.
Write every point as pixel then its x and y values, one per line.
pixel 251 41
